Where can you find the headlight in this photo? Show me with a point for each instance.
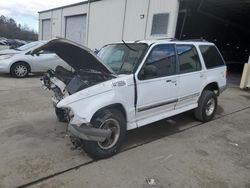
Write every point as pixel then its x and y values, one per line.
pixel 2 57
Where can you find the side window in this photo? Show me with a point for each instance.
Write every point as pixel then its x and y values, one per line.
pixel 188 58
pixel 160 62
pixel 211 56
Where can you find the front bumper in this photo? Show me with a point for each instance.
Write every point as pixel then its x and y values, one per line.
pixel 86 132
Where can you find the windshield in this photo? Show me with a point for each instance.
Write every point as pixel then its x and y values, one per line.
pixel 28 46
pixel 121 58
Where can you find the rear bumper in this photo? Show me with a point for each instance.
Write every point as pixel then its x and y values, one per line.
pixel 86 132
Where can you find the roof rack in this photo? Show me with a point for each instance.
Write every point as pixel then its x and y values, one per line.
pixel 195 40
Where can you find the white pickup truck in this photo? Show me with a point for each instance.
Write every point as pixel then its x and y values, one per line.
pixel 129 85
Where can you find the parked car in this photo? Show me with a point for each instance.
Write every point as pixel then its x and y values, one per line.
pixel 2 41
pixel 129 85
pixel 19 62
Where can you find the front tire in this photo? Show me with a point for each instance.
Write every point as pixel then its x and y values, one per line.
pixel 107 119
pixel 20 70
pixel 207 106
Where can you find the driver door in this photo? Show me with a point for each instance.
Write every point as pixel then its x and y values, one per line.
pixel 157 85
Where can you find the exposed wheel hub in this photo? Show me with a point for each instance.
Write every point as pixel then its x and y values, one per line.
pixel 114 127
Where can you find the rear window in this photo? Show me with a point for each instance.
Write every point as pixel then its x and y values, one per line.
pixel 211 56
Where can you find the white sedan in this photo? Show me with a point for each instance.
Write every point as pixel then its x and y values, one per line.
pixel 19 62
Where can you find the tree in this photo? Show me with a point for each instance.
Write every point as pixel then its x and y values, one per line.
pixel 9 29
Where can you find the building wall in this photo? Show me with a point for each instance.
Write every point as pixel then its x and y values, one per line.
pixel 135 17
pixel 106 22
pixel 113 20
pixel 163 6
pixel 71 11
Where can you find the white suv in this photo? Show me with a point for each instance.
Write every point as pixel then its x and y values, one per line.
pixel 129 85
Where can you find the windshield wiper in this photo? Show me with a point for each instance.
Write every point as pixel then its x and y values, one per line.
pixel 129 46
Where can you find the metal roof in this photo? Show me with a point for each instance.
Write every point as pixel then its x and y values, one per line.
pixel 70 5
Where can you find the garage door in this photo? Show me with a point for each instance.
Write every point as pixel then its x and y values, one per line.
pixel 46 29
pixel 76 29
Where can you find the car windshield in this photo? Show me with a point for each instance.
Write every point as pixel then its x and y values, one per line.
pixel 122 58
pixel 28 46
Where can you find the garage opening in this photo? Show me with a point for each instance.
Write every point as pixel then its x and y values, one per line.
pixel 223 22
pixel 75 29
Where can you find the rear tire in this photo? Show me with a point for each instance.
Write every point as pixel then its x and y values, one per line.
pixel 107 119
pixel 20 70
pixel 207 106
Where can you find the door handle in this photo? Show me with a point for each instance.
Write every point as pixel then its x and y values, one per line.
pixel 172 81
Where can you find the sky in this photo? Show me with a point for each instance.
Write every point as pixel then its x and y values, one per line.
pixel 26 11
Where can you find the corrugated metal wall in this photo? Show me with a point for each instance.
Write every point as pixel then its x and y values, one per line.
pixel 110 21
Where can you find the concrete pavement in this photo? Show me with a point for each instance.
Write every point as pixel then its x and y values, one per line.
pixel 178 152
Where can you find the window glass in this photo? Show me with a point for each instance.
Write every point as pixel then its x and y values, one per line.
pixel 117 56
pixel 160 24
pixel 120 58
pixel 211 56
pixel 188 58
pixel 30 45
pixel 161 60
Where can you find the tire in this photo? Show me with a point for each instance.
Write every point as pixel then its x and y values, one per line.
pixel 102 150
pixel 20 70
pixel 207 106
pixel 60 114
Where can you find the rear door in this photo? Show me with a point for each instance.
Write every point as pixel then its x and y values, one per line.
pixel 191 75
pixel 157 85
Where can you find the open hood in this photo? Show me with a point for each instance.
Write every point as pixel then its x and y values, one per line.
pixel 77 56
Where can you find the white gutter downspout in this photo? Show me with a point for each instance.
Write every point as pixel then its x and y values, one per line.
pixel 146 25
pixel 88 16
pixel 124 19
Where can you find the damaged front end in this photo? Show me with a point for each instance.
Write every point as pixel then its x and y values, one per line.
pixel 86 71
pixel 64 83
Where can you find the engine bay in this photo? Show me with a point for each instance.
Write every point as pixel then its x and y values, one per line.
pixel 74 80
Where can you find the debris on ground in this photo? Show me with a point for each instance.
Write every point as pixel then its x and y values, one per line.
pixel 151 181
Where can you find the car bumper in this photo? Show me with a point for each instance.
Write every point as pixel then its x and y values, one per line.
pixel 4 66
pixel 80 128
pixel 86 132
